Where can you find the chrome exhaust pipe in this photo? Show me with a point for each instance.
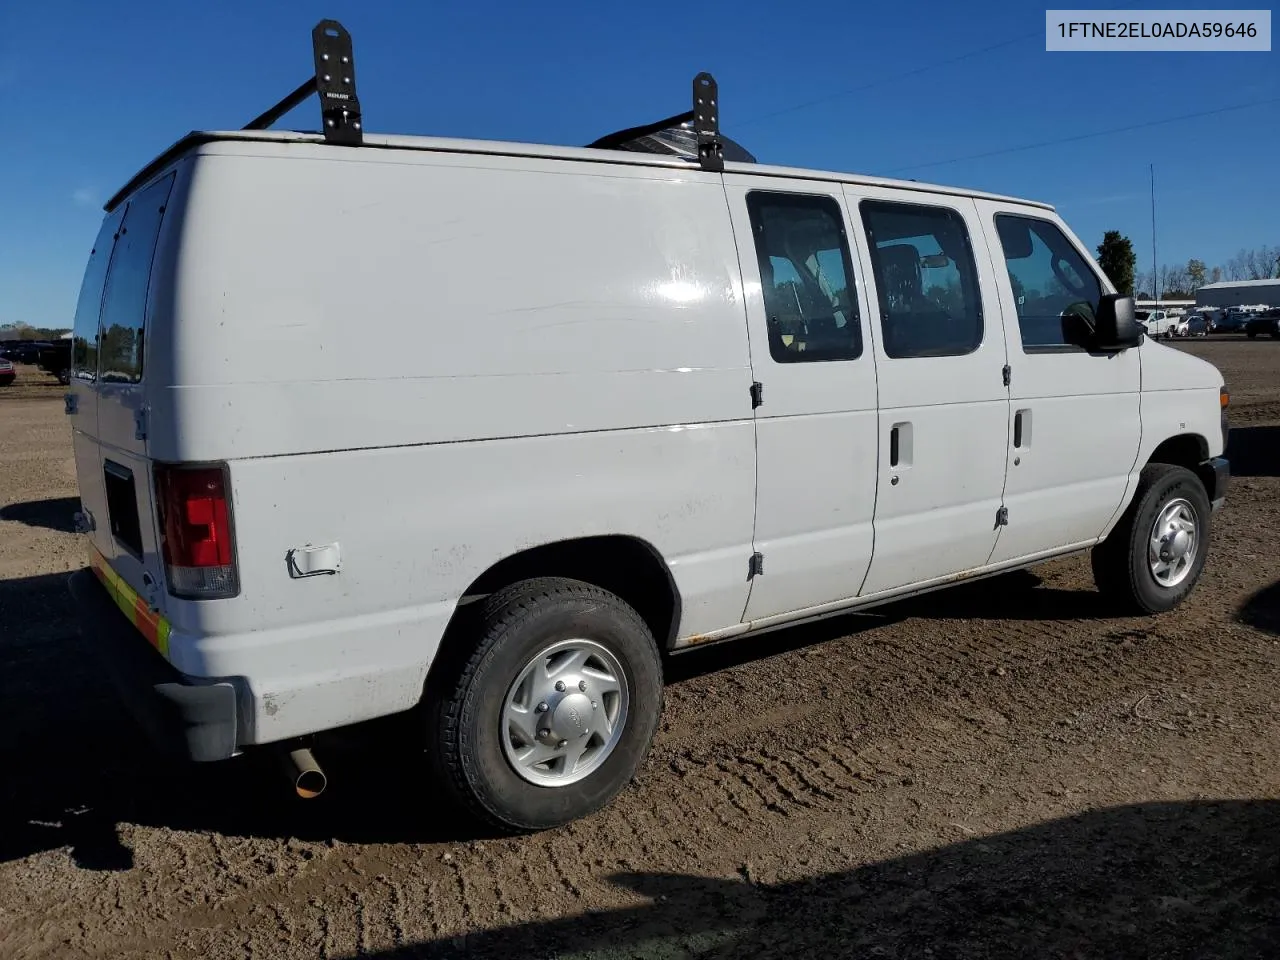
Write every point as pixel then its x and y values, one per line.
pixel 304 773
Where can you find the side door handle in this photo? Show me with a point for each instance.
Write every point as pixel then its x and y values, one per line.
pixel 1021 429
pixel 900 454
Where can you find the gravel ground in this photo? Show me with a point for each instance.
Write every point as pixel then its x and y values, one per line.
pixel 1005 769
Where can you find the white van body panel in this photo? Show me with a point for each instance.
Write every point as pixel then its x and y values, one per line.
pixel 1179 398
pixel 936 510
pixel 816 443
pixel 535 416
pixel 1080 421
pixel 427 358
pixel 416 525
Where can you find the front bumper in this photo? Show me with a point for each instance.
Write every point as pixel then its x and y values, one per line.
pixel 1216 474
pixel 185 717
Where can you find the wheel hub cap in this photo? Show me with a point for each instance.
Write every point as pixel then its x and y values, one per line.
pixel 1173 543
pixel 564 713
pixel 571 717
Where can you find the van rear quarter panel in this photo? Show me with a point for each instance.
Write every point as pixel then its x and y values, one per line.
pixel 435 361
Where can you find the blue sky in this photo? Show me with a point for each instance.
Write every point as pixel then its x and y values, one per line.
pixel 92 91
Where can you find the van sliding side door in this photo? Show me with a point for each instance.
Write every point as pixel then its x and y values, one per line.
pixel 816 417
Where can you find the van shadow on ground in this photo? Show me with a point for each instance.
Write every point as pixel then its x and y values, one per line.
pixel 54 514
pixel 1254 451
pixel 1151 880
pixel 1262 610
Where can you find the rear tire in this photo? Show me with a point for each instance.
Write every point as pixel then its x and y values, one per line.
pixel 521 636
pixel 1156 553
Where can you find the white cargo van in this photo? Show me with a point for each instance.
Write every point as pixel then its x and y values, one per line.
pixel 608 403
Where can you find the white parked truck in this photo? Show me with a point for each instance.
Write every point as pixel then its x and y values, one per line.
pixel 631 399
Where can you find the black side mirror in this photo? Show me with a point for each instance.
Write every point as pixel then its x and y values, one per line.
pixel 1116 326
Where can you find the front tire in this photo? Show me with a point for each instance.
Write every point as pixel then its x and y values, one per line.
pixel 554 710
pixel 1156 553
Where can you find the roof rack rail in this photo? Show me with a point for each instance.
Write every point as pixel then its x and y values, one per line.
pixel 705 118
pixel 334 81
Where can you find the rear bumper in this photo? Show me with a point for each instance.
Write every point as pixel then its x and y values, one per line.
pixel 185 717
pixel 1216 474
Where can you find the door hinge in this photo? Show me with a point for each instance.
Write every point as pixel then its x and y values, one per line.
pixel 140 424
pixel 755 568
pixel 1007 374
pixel 83 521
pixel 757 394
pixel 1002 517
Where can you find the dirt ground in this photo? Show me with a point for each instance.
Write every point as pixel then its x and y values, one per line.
pixel 1006 769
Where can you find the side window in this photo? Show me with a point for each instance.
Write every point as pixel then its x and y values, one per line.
pixel 84 342
pixel 806 276
pixel 1054 288
pixel 125 305
pixel 930 305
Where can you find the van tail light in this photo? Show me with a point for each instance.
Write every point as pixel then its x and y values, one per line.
pixel 196 538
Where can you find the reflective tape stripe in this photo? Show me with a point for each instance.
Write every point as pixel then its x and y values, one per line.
pixel 151 625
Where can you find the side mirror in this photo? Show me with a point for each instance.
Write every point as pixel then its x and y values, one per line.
pixel 1116 326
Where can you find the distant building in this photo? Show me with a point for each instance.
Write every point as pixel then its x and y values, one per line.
pixel 1176 306
pixel 1239 292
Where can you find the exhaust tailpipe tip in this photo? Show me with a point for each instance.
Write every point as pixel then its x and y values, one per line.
pixel 308 779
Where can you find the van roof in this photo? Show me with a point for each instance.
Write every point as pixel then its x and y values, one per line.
pixel 196 139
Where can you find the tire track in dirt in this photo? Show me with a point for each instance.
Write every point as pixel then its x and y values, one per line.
pixel 774 784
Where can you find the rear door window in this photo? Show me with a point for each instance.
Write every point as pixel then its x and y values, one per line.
pixel 806 277
pixel 84 344
pixel 124 307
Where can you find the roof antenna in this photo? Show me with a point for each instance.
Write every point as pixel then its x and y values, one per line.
pixel 334 81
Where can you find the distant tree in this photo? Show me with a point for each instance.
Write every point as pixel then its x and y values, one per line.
pixel 1175 284
pixel 24 331
pixel 1118 261
pixel 1262 262
pixel 1195 273
pixel 1215 275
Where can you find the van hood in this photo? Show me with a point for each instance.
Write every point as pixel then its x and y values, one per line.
pixel 1168 368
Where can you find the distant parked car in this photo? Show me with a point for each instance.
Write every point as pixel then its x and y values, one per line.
pixel 1227 323
pixel 23 351
pixel 7 372
pixel 1267 322
pixel 1192 325
pixel 1158 323
pixel 55 358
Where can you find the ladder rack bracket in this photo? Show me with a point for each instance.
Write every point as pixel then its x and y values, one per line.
pixel 336 83
pixel 706 122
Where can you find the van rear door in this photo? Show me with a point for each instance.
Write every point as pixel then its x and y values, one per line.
pixel 82 392
pixel 123 468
